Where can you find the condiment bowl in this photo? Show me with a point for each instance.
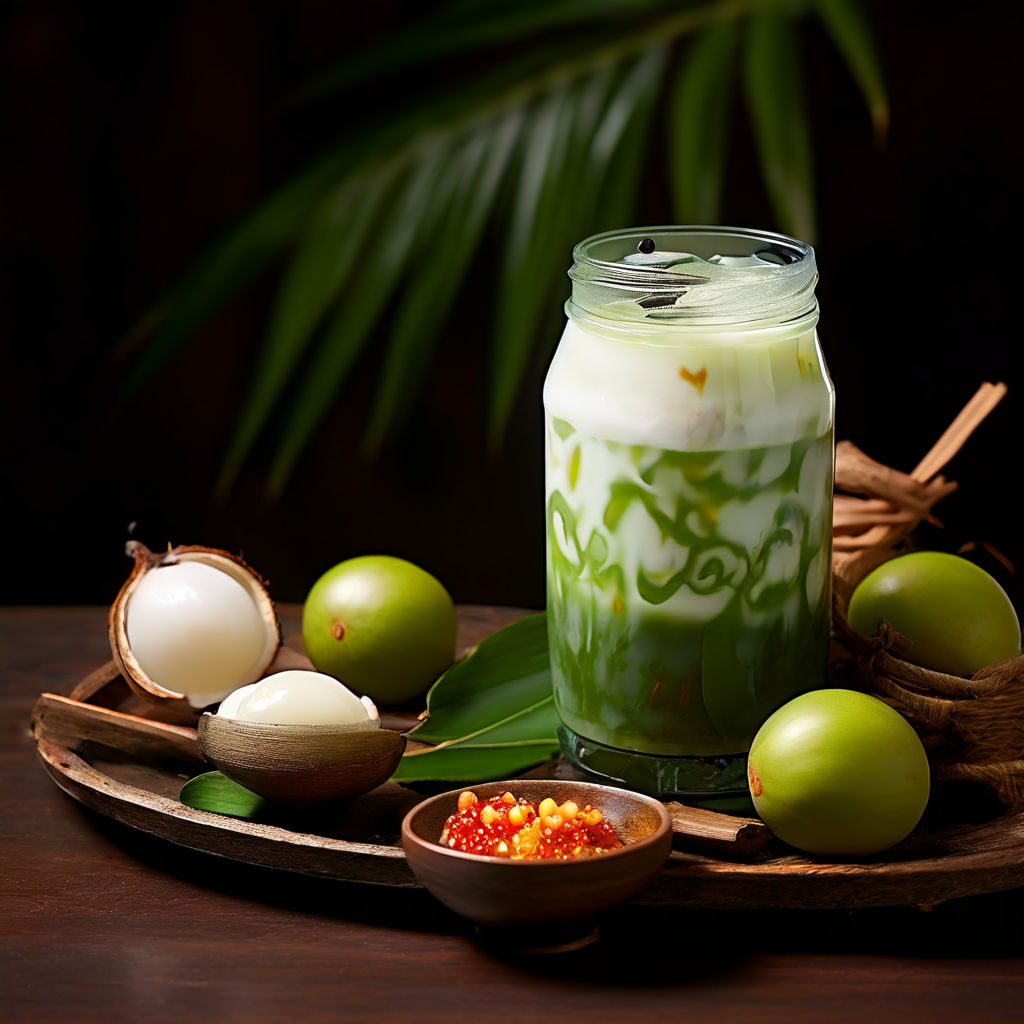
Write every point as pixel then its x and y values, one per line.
pixel 301 764
pixel 497 892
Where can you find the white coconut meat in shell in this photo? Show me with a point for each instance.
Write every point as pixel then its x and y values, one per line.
pixel 195 630
pixel 299 697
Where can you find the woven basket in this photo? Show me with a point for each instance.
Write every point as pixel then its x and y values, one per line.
pixel 972 728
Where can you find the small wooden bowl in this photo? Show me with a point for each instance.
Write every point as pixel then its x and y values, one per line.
pixel 532 896
pixel 301 764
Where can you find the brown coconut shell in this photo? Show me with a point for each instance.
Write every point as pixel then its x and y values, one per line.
pixel 145 561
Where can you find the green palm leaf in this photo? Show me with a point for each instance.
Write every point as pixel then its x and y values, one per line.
pixel 576 138
pixel 338 233
pixel 526 272
pixel 376 279
pixel 845 22
pixel 775 97
pixel 440 268
pixel 698 123
pixel 471 27
pixel 618 153
pixel 378 236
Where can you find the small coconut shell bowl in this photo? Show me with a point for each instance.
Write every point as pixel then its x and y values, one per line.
pixel 301 764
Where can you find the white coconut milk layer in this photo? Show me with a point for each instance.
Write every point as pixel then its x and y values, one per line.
pixel 702 389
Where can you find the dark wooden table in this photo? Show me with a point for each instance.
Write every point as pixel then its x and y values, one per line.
pixel 100 922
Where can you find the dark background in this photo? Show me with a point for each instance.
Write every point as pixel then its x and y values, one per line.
pixel 134 134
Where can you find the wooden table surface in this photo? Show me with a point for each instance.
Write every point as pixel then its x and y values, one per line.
pixel 100 922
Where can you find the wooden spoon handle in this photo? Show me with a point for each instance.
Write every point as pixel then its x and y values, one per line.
pixel 72 719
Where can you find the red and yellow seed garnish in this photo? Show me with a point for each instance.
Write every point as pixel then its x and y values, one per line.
pixel 520 830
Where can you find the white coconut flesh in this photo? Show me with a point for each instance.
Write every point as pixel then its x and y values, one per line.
pixel 299 697
pixel 195 630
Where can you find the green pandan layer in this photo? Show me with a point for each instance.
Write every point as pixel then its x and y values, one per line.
pixel 688 593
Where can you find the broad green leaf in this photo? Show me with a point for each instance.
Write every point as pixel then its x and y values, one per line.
pixel 506 673
pixel 215 792
pixel 338 234
pixel 775 97
pixel 439 272
pixel 513 745
pixel 698 123
pixel 522 740
pixel 364 299
pixel 474 764
pixel 492 714
pixel 845 22
pixel 535 723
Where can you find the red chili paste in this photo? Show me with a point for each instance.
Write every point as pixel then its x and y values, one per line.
pixel 519 830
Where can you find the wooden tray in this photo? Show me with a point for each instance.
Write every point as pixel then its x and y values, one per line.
pixel 117 756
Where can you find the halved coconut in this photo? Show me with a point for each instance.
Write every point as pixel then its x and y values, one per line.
pixel 191 624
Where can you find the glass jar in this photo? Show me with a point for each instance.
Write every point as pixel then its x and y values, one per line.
pixel 689 471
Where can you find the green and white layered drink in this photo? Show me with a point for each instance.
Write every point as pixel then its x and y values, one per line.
pixel 689 447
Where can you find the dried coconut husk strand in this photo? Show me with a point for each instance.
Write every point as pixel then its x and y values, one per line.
pixel 883 506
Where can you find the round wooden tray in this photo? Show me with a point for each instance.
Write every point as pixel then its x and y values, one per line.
pixel 111 754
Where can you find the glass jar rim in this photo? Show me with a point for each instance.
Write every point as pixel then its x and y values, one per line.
pixel 695 273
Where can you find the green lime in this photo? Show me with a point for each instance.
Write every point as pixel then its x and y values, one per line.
pixel 382 625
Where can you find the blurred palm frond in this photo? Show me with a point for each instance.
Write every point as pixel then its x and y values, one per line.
pixel 520 161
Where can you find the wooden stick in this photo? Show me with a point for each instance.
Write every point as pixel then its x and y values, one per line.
pixel 696 826
pixel 985 399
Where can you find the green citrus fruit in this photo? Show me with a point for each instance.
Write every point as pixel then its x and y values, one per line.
pixel 838 772
pixel 382 625
pixel 955 617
